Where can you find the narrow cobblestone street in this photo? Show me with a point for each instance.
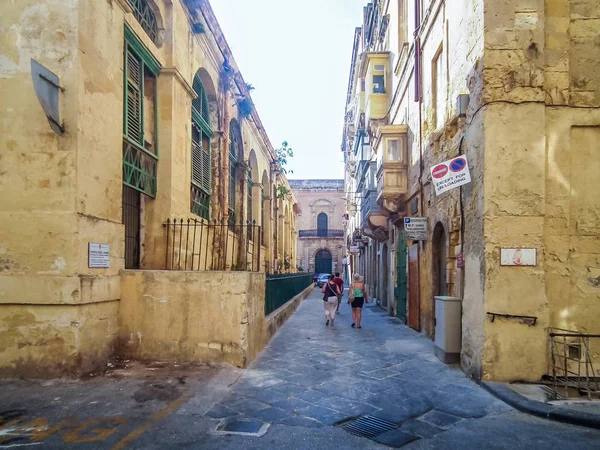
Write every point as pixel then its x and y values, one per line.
pixel 308 382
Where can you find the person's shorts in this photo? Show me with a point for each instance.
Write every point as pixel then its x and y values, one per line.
pixel 358 302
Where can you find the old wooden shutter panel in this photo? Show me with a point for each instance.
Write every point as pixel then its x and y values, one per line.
pixel 133 119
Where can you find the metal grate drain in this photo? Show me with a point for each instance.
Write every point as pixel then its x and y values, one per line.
pixel 369 426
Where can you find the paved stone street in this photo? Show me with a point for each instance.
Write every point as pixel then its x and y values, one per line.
pixel 307 384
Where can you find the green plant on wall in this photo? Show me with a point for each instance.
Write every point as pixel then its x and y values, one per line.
pixel 282 154
pixel 245 107
pixel 282 191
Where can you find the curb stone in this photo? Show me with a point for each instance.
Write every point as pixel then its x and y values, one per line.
pixel 552 412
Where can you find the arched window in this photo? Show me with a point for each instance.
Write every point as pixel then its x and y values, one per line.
pixel 322 225
pixel 146 17
pixel 201 133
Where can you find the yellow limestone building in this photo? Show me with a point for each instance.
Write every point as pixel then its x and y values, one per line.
pixel 513 86
pixel 155 123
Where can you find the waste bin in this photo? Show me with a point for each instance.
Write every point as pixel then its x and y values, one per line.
pixel 448 329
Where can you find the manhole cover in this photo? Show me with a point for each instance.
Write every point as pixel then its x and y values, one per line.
pixel 369 426
pixel 242 427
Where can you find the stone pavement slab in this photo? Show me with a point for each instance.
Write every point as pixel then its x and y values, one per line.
pixel 307 383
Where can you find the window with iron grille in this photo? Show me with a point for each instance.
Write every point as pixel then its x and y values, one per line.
pixel 146 17
pixel 140 138
pixel 233 152
pixel 201 134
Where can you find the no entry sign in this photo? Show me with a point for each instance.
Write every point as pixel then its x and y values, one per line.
pixel 450 174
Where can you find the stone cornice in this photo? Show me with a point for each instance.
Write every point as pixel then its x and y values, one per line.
pixel 125 6
pixel 174 71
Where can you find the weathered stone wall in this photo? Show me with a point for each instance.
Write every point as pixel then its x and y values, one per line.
pixel 531 71
pixel 541 70
pixel 58 193
pixel 192 316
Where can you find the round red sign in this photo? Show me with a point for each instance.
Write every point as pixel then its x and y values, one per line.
pixel 439 171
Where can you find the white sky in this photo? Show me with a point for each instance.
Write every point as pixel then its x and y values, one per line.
pixel 297 56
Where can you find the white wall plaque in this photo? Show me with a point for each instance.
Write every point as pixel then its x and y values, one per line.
pixel 518 257
pixel 98 255
pixel 415 228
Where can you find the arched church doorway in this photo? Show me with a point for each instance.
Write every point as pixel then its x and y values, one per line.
pixel 323 261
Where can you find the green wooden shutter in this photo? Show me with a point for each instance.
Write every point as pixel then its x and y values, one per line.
pixel 197 165
pixel 201 133
pixel 232 175
pixel 134 129
pixel 139 162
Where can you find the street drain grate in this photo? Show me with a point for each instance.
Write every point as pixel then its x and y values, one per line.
pixel 242 428
pixel 369 426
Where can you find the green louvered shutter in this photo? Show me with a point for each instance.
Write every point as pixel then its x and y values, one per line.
pixel 197 164
pixel 201 133
pixel 133 119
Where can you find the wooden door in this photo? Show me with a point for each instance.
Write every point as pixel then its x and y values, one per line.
pixel 414 302
pixel 401 279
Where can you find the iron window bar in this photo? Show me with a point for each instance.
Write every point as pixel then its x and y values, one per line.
pixel 563 362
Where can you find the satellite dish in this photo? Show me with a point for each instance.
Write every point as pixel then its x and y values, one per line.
pixel 46 86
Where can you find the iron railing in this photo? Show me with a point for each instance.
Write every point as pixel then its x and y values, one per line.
pixel 321 233
pixel 280 289
pixel 571 359
pixel 212 245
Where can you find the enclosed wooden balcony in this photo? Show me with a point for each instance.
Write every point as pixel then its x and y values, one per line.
pixel 374 72
pixel 392 167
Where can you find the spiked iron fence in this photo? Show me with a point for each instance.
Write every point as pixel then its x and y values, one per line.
pixel 212 245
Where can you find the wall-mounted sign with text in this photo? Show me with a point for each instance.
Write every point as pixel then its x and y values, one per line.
pixel 450 174
pixel 98 255
pixel 354 250
pixel 415 228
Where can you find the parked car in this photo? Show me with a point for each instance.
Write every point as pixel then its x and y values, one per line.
pixel 322 279
pixel 316 278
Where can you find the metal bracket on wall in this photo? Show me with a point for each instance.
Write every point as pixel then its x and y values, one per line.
pixel 46 86
pixel 527 320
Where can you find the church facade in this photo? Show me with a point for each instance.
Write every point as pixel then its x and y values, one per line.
pixel 320 225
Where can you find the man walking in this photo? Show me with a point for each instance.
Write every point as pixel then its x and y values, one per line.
pixel 340 284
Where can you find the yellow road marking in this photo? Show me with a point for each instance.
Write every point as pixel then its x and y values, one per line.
pixel 155 418
pixel 100 434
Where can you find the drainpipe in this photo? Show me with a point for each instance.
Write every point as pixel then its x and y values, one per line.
pixel 419 100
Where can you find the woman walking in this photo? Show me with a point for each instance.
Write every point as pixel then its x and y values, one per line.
pixel 357 296
pixel 331 292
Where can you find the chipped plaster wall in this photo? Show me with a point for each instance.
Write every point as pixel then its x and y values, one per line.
pixel 192 316
pixel 57 193
pixel 541 77
pixel 58 316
